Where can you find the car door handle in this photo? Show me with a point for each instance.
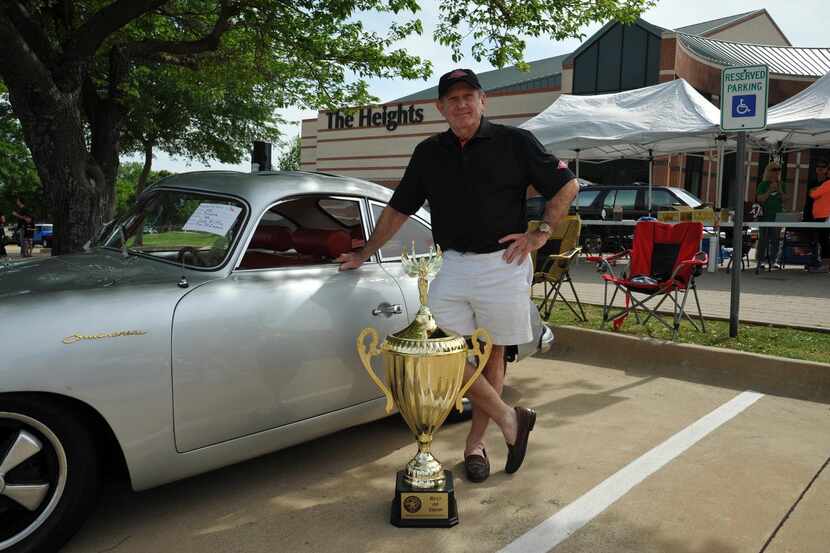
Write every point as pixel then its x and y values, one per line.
pixel 387 309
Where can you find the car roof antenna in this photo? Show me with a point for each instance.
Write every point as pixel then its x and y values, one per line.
pixel 183 281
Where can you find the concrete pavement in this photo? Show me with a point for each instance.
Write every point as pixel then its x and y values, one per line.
pixel 730 492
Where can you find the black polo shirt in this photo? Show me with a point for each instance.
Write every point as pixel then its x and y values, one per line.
pixel 477 193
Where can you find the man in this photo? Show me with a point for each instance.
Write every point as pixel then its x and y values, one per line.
pixel 822 175
pixel 3 236
pixel 475 177
pixel 25 228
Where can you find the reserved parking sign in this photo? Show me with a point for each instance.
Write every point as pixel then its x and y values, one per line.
pixel 744 97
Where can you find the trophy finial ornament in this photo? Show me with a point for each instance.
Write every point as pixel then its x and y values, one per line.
pixel 424 268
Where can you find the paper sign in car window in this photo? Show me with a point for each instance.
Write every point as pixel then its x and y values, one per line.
pixel 213 218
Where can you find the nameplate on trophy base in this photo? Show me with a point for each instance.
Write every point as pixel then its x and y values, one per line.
pixel 424 508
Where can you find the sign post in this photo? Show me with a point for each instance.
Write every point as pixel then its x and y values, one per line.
pixel 743 107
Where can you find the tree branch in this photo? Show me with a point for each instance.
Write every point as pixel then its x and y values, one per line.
pixel 31 33
pixel 147 49
pixel 89 36
pixel 18 62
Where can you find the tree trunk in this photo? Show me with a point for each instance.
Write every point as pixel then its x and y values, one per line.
pixel 142 183
pixel 145 171
pixel 73 182
pixel 105 123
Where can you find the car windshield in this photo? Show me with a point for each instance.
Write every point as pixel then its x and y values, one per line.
pixel 690 199
pixel 187 228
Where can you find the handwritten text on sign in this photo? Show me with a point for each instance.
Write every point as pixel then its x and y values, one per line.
pixel 213 218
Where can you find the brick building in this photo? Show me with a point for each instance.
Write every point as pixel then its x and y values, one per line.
pixel 375 142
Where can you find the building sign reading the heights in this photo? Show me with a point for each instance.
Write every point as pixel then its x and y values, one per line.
pixel 384 116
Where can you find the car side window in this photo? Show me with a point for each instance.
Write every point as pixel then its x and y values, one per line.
pixel 586 198
pixel 305 231
pixel 626 199
pixel 662 198
pixel 608 201
pixel 412 231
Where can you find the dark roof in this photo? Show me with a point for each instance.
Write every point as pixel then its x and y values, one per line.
pixel 782 60
pixel 548 72
pixel 650 27
pixel 713 25
pixel 542 73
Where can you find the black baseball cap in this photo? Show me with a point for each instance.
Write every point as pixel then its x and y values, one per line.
pixel 457 76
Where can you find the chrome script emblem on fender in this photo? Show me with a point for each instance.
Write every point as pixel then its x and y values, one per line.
pixel 101 335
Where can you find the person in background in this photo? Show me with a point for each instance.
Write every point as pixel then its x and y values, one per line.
pixel 822 175
pixel 25 228
pixel 771 195
pixel 3 252
pixel 821 201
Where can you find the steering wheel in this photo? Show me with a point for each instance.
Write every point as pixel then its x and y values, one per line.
pixel 198 260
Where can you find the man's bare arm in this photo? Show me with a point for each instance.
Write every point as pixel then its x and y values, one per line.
pixel 557 207
pixel 388 224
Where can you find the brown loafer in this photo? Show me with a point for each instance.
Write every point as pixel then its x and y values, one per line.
pixel 477 467
pixel 516 452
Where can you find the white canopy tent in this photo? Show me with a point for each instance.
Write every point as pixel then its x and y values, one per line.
pixel 801 121
pixel 656 120
pixel 664 118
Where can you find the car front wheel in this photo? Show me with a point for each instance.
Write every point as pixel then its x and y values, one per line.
pixel 48 475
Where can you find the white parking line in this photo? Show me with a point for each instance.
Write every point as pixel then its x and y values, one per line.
pixel 575 515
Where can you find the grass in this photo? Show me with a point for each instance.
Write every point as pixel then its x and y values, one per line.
pixel 179 239
pixel 783 342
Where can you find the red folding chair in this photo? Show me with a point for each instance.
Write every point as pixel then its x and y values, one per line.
pixel 664 261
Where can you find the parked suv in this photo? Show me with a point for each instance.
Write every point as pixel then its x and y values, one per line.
pixel 43 234
pixel 602 201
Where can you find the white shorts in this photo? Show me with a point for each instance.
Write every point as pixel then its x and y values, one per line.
pixel 482 290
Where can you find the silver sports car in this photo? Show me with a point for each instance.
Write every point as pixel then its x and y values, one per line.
pixel 208 326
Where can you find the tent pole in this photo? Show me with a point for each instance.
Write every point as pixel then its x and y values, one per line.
pixel 795 179
pixel 577 163
pixel 650 177
pixel 719 183
pixel 709 159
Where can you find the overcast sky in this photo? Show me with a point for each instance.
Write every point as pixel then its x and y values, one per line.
pixel 803 21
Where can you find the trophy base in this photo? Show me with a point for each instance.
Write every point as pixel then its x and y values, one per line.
pixel 424 508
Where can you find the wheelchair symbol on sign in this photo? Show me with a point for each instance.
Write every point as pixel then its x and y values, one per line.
pixel 742 108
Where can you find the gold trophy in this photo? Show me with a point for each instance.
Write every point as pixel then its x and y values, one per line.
pixel 425 370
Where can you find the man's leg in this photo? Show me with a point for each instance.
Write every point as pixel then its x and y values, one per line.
pixel 494 373
pixel 488 403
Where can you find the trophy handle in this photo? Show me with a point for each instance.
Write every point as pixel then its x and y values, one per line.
pixel 482 360
pixel 366 354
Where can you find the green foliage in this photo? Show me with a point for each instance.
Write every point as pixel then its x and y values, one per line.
pixel 497 26
pixel 755 338
pixel 125 185
pixel 201 115
pixel 18 176
pixel 202 78
pixel 289 159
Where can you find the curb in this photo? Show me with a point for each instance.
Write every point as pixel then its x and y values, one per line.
pixel 709 365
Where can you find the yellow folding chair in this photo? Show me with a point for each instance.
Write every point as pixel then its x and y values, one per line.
pixel 552 264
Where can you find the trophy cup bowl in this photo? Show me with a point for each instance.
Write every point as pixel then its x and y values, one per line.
pixel 425 371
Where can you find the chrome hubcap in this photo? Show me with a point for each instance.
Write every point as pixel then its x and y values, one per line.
pixel 28 495
pixel 32 476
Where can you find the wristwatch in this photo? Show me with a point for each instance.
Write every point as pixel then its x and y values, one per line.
pixel 546 228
